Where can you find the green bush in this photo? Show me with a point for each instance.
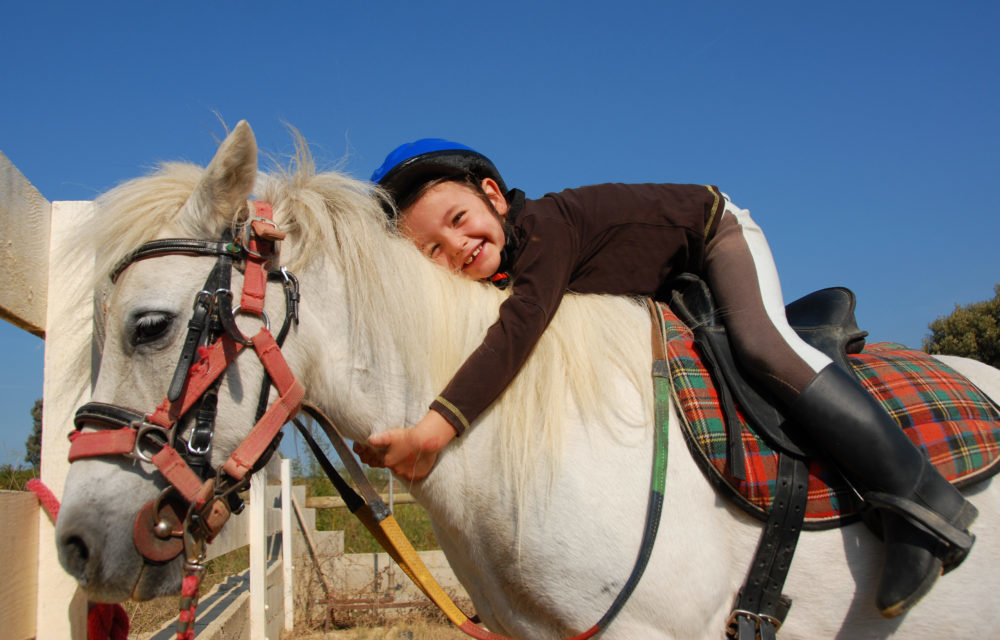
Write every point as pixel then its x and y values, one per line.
pixel 15 478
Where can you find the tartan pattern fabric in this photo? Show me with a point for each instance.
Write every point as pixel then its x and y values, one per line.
pixel 941 412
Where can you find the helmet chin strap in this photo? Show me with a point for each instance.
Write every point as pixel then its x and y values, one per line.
pixel 515 200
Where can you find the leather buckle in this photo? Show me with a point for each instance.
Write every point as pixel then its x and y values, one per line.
pixel 758 619
pixel 261 231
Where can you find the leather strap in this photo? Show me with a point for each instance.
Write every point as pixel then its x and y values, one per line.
pixel 109 441
pixel 166 246
pixel 177 472
pixel 260 247
pixel 290 395
pixel 760 606
pixel 202 374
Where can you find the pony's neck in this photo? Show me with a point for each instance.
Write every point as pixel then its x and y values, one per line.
pixel 380 348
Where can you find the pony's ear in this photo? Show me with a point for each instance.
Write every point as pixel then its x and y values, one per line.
pixel 229 178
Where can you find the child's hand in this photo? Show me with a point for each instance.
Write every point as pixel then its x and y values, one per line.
pixel 411 453
pixel 371 456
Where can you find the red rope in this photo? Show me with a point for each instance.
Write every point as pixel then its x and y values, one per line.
pixel 189 605
pixel 45 496
pixel 104 621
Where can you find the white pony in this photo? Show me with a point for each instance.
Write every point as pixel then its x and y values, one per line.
pixel 540 506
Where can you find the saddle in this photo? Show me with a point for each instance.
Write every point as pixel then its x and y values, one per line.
pixel 824 319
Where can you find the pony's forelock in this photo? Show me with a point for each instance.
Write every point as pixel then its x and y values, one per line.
pixel 138 211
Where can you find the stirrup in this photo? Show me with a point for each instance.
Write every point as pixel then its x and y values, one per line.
pixel 958 541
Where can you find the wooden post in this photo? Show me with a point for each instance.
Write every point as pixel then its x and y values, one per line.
pixel 19 530
pixel 62 608
pixel 49 297
pixel 286 543
pixel 258 556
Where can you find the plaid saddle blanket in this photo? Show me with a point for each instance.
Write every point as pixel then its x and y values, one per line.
pixel 944 414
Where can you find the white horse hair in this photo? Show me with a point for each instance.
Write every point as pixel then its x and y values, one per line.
pixel 539 507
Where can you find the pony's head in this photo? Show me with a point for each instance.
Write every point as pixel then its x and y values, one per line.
pixel 145 315
pixel 157 312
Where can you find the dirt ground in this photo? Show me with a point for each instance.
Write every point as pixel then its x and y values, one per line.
pixel 410 623
pixel 420 630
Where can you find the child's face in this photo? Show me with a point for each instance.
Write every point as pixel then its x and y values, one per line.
pixel 452 225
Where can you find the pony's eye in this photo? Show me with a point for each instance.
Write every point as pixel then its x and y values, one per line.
pixel 150 327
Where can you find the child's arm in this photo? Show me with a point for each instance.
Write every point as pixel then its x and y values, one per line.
pixel 411 452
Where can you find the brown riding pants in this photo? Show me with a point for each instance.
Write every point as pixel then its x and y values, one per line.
pixel 741 274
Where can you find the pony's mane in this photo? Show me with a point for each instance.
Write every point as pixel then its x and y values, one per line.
pixel 332 218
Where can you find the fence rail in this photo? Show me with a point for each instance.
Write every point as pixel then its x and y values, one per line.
pixel 332 502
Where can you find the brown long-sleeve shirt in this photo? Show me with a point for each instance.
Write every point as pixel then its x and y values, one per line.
pixel 611 238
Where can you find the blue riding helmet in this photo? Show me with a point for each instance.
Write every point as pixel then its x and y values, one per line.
pixel 413 164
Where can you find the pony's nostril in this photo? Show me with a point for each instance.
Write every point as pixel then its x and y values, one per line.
pixel 75 557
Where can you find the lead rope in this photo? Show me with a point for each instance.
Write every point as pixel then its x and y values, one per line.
pixel 369 508
pixel 104 621
pixel 194 569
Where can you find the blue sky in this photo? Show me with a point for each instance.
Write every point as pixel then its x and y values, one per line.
pixel 863 136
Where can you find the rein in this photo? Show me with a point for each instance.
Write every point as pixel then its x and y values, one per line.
pixel 188 515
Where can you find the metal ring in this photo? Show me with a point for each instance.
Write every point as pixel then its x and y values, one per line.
pixel 732 624
pixel 242 337
pixel 267 321
pixel 144 429
pixel 248 232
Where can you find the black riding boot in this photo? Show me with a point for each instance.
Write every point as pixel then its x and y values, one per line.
pixel 920 516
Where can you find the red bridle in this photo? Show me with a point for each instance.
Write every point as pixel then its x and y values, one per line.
pixel 193 509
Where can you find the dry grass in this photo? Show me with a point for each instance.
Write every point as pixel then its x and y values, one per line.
pixel 151 615
pixel 413 625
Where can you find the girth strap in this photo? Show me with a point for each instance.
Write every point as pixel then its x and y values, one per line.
pixel 760 606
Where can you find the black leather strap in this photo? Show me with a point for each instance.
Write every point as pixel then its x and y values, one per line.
pixel 107 415
pixel 186 246
pixel 715 342
pixel 760 606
